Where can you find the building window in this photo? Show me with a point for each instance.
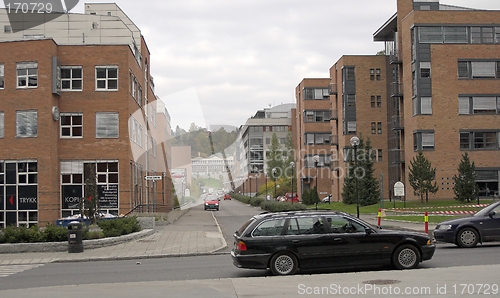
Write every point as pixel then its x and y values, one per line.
pixel 379 155
pixel 423 141
pixel 422 106
pixel 19 179
pixel 478 105
pixel 376 101
pixel 374 128
pixel 26 124
pixel 425 69
pixel 379 128
pixel 106 77
pixel 378 74
pixel 2 76
pixel 27 74
pixel 351 100
pixel 317 116
pixel 106 125
pixel 136 131
pixel 316 94
pixel 2 125
pixel 71 78
pixel 71 125
pixel 372 74
pixel 481 34
pixel 316 138
pixel 479 140
pixel 479 69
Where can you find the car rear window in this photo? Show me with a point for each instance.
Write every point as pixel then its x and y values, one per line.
pixel 244 226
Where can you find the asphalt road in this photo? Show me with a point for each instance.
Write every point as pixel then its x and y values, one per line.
pixel 231 216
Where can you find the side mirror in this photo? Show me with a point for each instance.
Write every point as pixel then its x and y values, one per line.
pixel 491 214
pixel 368 231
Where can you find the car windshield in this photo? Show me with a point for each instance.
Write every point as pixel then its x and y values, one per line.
pixel 210 199
pixel 484 212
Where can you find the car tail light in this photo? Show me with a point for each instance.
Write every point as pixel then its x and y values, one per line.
pixel 241 246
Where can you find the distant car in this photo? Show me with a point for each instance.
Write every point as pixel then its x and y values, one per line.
pixel 227 197
pixel 484 226
pixel 289 241
pixel 292 197
pixel 212 203
pixel 326 199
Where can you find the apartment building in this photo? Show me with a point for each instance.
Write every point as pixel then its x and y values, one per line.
pixel 255 141
pixel 434 90
pixel 78 96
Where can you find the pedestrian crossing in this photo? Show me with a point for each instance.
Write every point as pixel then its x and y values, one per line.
pixel 6 270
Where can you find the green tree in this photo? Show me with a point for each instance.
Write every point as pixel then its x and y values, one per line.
pixel 422 176
pixel 465 187
pixel 275 159
pixel 362 170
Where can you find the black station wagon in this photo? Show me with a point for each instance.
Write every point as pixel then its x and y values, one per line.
pixel 288 241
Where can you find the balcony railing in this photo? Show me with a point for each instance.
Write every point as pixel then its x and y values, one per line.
pixel 397 156
pixel 396 89
pixel 397 122
pixel 333 88
pixel 394 58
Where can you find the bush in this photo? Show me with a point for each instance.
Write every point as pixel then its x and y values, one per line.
pixel 256 201
pixel 53 233
pixel 274 206
pixel 119 226
pixel 242 198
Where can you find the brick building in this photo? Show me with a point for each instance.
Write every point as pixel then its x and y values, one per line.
pixel 436 89
pixel 78 96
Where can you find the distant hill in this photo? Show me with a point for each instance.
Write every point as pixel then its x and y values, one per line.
pixel 197 138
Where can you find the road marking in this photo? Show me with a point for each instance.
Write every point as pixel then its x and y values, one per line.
pixel 6 270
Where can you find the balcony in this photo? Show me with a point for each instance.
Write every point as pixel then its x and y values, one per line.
pixel 397 156
pixel 394 58
pixel 396 89
pixel 333 88
pixel 397 122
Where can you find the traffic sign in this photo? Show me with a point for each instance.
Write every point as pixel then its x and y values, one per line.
pixel 399 189
pixel 154 178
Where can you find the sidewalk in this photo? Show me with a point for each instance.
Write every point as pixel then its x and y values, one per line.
pixel 190 232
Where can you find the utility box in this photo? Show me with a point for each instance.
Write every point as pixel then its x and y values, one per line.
pixel 75 237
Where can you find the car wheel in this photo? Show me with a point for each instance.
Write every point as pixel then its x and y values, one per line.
pixel 406 256
pixel 467 237
pixel 284 263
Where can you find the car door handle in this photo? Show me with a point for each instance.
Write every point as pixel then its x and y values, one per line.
pixel 295 241
pixel 337 240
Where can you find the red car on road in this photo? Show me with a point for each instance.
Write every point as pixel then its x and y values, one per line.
pixel 227 197
pixel 212 203
pixel 292 197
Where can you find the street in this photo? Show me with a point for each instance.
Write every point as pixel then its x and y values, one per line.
pixel 231 216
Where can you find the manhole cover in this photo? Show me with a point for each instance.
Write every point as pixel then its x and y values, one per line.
pixel 382 281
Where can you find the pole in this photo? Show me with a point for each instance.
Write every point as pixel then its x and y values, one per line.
pixel 316 199
pixel 426 221
pixel 379 216
pixel 356 176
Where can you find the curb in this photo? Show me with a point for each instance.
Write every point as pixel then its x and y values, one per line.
pixel 6 248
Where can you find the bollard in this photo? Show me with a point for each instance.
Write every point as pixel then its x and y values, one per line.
pixel 379 216
pixel 426 222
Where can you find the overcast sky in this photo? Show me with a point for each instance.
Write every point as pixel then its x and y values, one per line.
pixel 219 61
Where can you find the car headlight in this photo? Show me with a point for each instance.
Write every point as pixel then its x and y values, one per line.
pixel 444 227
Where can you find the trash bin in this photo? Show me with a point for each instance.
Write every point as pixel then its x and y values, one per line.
pixel 75 241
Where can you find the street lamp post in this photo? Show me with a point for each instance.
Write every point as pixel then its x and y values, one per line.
pixel 292 164
pixel 355 142
pixel 250 178
pixel 316 161
pixel 266 184
pixel 274 179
